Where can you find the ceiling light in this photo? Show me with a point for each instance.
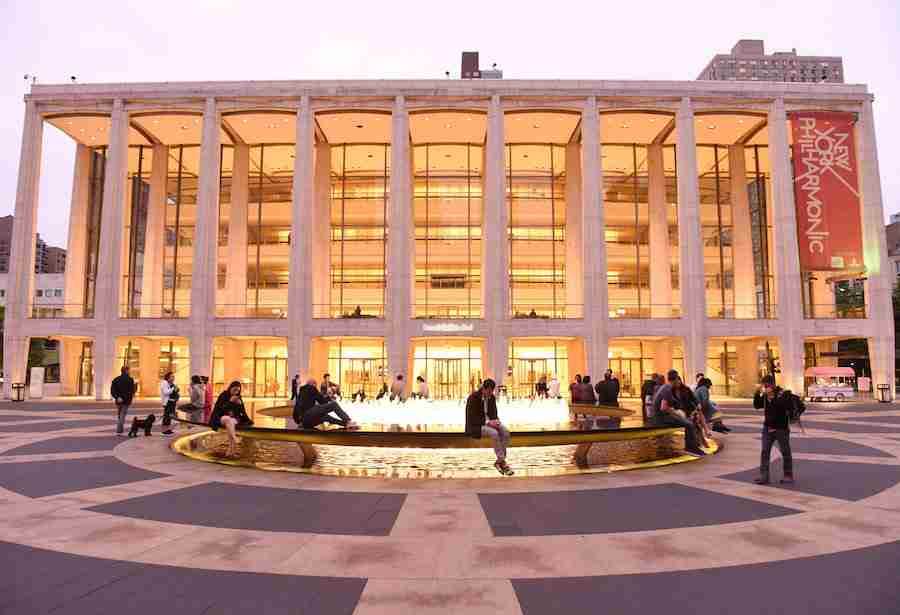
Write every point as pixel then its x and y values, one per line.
pixel 156 121
pixel 244 120
pixel 652 119
pixel 624 125
pixel 69 122
pixel 184 127
pixel 712 126
pixel 448 125
pixel 196 120
pixel 536 126
pixel 740 121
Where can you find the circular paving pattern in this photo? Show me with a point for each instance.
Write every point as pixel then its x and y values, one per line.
pixel 94 523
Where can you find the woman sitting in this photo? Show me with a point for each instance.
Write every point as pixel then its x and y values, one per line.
pixel 229 413
pixel 687 402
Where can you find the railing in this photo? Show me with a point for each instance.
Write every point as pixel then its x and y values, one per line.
pixel 644 310
pixel 432 310
pixel 155 310
pixel 749 311
pixel 249 310
pixel 61 310
pixel 830 310
pixel 547 311
pixel 367 310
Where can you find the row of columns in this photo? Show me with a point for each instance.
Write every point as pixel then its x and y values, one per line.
pixel 308 258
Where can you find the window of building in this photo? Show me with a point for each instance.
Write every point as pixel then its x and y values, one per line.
pixel 39 292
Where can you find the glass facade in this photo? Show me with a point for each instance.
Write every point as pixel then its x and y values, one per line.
pixel 150 358
pixel 360 189
pixel 92 234
pixel 534 359
pixel 140 162
pixel 536 187
pixel 358 365
pixel 448 218
pixel 178 233
pixel 452 367
pixel 629 239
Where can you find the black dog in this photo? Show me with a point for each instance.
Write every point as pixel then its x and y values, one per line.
pixel 145 424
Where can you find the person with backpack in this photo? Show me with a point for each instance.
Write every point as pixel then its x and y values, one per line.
pixel 779 408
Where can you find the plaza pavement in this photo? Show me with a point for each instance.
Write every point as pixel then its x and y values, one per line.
pixel 92 523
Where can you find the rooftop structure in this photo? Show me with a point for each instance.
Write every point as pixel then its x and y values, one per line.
pixel 748 61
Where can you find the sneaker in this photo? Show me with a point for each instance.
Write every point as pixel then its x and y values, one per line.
pixel 761 480
pixel 696 452
pixel 720 428
pixel 352 426
pixel 168 433
pixel 121 434
pixel 503 468
pixel 787 480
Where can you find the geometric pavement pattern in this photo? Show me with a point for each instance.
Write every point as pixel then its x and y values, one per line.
pixel 92 523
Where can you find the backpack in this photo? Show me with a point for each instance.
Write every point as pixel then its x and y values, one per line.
pixel 796 407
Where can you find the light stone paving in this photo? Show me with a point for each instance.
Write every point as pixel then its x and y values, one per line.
pixel 441 555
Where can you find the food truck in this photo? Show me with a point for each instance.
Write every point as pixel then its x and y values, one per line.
pixel 830 383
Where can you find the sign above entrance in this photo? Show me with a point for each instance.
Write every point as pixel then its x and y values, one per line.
pixel 448 327
pixel 826 192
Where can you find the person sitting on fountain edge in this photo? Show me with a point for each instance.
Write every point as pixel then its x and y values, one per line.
pixel 312 409
pixel 481 420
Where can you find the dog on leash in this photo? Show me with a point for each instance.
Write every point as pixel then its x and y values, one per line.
pixel 145 424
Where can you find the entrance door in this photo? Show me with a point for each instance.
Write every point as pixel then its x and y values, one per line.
pixel 447 381
pixel 270 377
pixel 86 369
pixel 364 374
pixel 526 373
pixel 630 374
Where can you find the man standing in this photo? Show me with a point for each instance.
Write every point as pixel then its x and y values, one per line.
pixel 482 420
pixel 122 392
pixel 667 412
pixel 776 428
pixel 295 384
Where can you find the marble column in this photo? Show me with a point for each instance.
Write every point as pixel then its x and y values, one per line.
pixel 880 278
pixel 206 238
pixel 154 238
pixel 398 308
pixel 149 357
pixel 596 290
pixel 69 362
pixel 109 262
pixel 574 239
pixel 236 267
pixel 76 248
pixel 789 312
pixel 742 237
pixel 321 249
pixel 690 242
pixel 658 231
pixel 106 364
pixel 495 245
pixel 497 357
pixel 299 292
pixel 662 357
pixel 747 367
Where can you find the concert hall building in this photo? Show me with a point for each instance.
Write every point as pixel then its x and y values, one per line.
pixel 456 229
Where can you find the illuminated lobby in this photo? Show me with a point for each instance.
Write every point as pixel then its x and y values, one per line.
pixel 450 230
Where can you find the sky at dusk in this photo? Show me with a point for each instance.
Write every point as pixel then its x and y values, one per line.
pixel 230 40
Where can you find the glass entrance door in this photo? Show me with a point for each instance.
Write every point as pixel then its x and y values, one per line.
pixel 630 374
pixel 526 373
pixel 86 369
pixel 447 379
pixel 269 377
pixel 361 374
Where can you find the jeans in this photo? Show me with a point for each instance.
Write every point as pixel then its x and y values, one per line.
pixel 319 414
pixel 691 437
pixel 500 436
pixel 123 412
pixel 783 437
pixel 168 413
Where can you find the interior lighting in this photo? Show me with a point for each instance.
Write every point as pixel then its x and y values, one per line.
pixel 712 126
pixel 624 125
pixel 359 126
pixel 536 126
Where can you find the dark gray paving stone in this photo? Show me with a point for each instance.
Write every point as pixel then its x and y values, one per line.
pixel 849 427
pixel 735 428
pixel 7 418
pixel 67 444
pixel 834 479
pixel 44 581
pixel 55 426
pixel 834 446
pixel 266 508
pixel 74 405
pixel 624 509
pixel 887 419
pixel 859 582
pixel 37 479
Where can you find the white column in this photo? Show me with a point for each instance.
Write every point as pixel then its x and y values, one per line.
pixel 206 232
pixel 398 309
pixel 106 364
pixel 662 357
pixel 747 367
pixel 302 229
pixel 76 248
pixel 596 290
pixel 658 231
pixel 236 267
pixel 494 244
pixel 497 347
pixel 690 242
pixel 321 253
pixel 789 311
pixel 742 236
pixel 154 238
pixel 109 263
pixel 574 239
pixel 878 270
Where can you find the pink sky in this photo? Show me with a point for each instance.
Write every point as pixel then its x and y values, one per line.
pixel 230 40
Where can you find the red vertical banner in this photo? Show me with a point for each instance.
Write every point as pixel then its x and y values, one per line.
pixel 826 191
